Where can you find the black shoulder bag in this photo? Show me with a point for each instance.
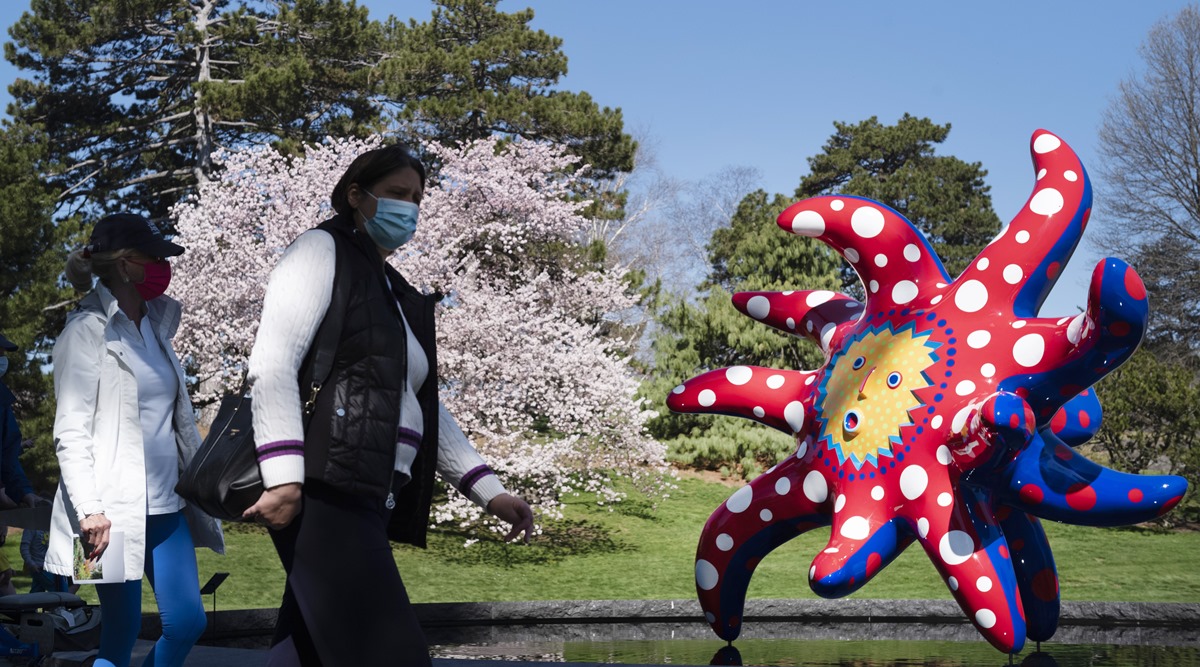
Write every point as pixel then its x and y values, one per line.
pixel 222 479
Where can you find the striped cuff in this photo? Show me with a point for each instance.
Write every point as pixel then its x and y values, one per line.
pixel 480 484
pixel 281 462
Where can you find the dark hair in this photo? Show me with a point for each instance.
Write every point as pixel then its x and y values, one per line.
pixel 372 167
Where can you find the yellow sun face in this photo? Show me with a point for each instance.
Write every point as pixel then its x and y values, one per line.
pixel 869 394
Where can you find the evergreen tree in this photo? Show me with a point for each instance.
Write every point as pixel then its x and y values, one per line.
pixel 139 94
pixel 472 72
pixel 943 196
pixel 33 305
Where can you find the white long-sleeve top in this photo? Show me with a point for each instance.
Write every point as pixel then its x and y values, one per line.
pixel 299 292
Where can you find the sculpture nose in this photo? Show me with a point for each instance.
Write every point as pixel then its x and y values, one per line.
pixel 862 388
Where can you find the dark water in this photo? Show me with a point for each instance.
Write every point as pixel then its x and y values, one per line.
pixel 796 645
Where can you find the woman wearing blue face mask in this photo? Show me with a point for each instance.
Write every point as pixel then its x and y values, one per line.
pixel 351 465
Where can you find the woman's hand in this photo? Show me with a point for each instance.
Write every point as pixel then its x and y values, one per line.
pixel 93 530
pixel 276 507
pixel 511 509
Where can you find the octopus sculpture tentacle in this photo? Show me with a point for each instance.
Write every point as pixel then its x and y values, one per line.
pixel 945 412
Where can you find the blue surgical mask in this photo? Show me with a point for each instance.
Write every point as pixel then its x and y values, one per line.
pixel 394 222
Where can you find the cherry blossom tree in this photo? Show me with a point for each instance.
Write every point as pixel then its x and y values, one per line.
pixel 525 365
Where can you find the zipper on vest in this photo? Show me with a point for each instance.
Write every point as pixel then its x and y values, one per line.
pixel 390 503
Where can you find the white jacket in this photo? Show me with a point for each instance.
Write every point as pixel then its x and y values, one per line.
pixel 98 436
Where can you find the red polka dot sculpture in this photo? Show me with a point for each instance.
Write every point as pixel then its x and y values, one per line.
pixel 945 412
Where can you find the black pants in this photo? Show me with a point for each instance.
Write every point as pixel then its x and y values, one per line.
pixel 344 602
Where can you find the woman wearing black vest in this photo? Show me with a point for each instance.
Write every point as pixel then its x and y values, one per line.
pixel 361 470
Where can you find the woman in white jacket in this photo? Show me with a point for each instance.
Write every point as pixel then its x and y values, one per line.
pixel 123 430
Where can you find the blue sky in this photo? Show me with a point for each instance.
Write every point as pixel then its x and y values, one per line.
pixel 716 84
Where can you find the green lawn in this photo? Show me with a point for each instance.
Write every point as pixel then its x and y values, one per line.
pixel 637 553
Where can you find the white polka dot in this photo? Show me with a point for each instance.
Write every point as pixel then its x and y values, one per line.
pixel 877 493
pixel 810 379
pixel 867 222
pixel 815 488
pixel 1013 274
pixel 812 572
pixel 1041 174
pixel 1046 202
pixel 851 255
pixel 987 370
pixel 922 527
pixel 759 412
pixel 971 297
pixel 775 381
pixel 1075 328
pixel 943 455
pixel 856 528
pixel 724 542
pixel 904 291
pixel 706 575
pixel 1062 319
pixel 1022 236
pixel 765 515
pixel 679 389
pixel 817 298
pixel 758 307
pixel 979 339
pixel 965 387
pixel 851 303
pixel 983 264
pixel 738 375
pixel 791 323
pixel 1029 350
pixel 808 324
pixel 740 500
pixel 794 414
pixel 984 584
pixel 936 300
pixel 783 485
pixel 837 204
pixel 827 334
pixel 1019 324
pixel 1070 176
pixel 986 618
pixel 952 582
pixel 808 223
pixel 710 617
pixel 839 503
pixel 913 482
pixel 881 260
pixel 936 422
pixel 788 292
pixel 911 252
pixel 960 419
pixel 956 547
pixel 830 550
pixel 707 398
pixel 944 499
pixel 874 285
pixel 1046 143
pixel 802 450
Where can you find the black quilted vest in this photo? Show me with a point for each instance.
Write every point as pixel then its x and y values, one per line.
pixel 350 443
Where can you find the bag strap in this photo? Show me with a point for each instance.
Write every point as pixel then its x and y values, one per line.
pixel 319 363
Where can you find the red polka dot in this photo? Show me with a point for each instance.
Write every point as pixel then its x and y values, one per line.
pixel 1052 270
pixel 1045 585
pixel 1063 452
pixel 1003 513
pixel 1169 505
pixel 1018 544
pixel 1135 495
pixel 1119 328
pixel 1014 421
pixel 1085 392
pixel 1059 422
pixel 1085 420
pixel 1023 392
pixel 1031 493
pixel 1133 284
pixel 1003 552
pixel 1070 390
pixel 873 562
pixel 1086 214
pixel 1081 496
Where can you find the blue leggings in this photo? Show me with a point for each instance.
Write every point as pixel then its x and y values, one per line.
pixel 171 569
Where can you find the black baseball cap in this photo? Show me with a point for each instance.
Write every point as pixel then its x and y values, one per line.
pixel 6 344
pixel 129 231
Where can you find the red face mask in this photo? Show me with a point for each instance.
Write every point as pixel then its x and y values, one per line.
pixel 157 278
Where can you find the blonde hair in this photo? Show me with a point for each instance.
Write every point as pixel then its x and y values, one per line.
pixel 82 266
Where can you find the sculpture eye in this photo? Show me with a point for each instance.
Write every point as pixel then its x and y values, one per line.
pixel 858 363
pixel 893 379
pixel 851 421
